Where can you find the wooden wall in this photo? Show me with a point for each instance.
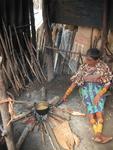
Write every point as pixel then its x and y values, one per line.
pixel 79 12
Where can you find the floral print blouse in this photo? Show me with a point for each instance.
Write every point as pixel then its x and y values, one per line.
pixel 100 69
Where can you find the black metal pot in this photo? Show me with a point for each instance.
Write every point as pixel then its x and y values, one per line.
pixel 42 108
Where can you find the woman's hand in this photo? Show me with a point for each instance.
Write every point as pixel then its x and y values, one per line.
pixel 64 99
pixel 72 78
pixel 96 99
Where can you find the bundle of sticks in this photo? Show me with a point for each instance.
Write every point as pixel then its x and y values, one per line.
pixel 20 63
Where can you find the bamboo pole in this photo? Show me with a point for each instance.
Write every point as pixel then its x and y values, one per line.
pixel 5 114
pixel 105 24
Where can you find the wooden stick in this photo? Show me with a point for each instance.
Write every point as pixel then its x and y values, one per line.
pixel 32 69
pixel 21 76
pixel 20 47
pixel 25 74
pixel 39 66
pixel 24 134
pixel 12 48
pixel 9 62
pixel 13 85
pixel 31 47
pixel 6 39
pixel 14 61
pixel 36 65
pixel 22 102
pixel 21 53
pixel 51 136
pixel 21 116
pixel 55 118
pixel 62 117
pixel 61 50
pixel 42 130
pixel 54 100
pixel 104 24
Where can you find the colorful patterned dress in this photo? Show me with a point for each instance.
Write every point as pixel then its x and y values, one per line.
pixel 88 90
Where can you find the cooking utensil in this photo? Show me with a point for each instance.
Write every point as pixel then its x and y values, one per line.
pixel 42 108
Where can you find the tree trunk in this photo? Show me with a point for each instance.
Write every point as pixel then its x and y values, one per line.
pixel 5 114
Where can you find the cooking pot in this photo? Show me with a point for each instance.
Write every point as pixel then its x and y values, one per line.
pixel 42 107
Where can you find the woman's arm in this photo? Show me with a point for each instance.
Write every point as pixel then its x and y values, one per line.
pixel 77 80
pixel 101 93
pixel 69 91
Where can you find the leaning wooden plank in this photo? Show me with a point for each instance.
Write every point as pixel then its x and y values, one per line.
pixel 64 135
pixel 51 136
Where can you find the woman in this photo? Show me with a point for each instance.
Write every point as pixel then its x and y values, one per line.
pixel 93 78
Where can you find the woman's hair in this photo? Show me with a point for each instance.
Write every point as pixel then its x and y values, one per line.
pixel 94 53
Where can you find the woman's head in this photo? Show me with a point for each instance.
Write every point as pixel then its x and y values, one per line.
pixel 92 56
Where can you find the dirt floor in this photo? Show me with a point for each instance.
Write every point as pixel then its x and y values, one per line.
pixel 79 125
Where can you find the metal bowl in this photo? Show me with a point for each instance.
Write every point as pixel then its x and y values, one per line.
pixel 42 108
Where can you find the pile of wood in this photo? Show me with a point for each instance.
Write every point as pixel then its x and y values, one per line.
pixel 20 63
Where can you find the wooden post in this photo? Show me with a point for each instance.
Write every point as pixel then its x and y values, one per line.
pixel 32 23
pixel 104 24
pixel 48 35
pixel 5 114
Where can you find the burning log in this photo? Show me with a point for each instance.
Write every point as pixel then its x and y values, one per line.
pixel 24 134
pixel 54 100
pixel 59 113
pixel 21 116
pixel 43 132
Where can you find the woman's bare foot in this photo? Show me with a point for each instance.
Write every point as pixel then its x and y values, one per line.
pixel 100 138
pixel 97 139
pixel 106 139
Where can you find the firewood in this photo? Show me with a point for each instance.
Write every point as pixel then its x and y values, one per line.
pixel 54 100
pixel 51 136
pixel 21 116
pixel 24 134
